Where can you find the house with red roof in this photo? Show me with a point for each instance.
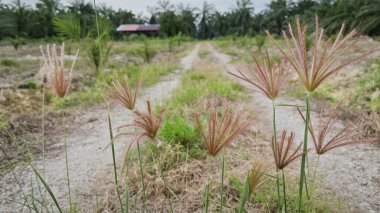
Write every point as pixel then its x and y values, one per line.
pixel 146 29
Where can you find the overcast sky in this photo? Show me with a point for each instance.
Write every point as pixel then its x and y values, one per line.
pixel 138 6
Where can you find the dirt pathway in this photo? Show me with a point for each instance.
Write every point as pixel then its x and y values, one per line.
pixel 352 172
pixel 86 142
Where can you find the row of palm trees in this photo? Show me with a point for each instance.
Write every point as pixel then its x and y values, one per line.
pixel 22 20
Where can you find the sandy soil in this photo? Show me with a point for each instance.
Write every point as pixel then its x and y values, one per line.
pixel 351 172
pixel 88 136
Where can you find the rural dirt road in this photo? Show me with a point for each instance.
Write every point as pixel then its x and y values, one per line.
pixel 351 172
pixel 87 137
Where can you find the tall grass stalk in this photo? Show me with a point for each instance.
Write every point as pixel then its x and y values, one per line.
pixel 98 31
pixel 141 174
pixel 313 182
pixel 275 154
pixel 207 187
pixel 284 189
pixel 221 185
pixel 245 194
pixel 114 158
pixel 66 157
pixel 165 184
pixel 126 186
pixel 304 154
pixel 43 128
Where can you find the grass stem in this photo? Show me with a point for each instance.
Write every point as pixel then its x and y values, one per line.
pixel 275 154
pixel 126 186
pixel 221 185
pixel 141 174
pixel 66 157
pixel 284 190
pixel 304 155
pixel 166 185
pixel 206 192
pixel 313 181
pixel 114 157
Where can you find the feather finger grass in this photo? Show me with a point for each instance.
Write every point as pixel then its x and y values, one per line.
pixel 326 60
pixel 122 92
pixel 269 78
pixel 149 124
pixel 218 134
pixel 325 139
pixel 60 80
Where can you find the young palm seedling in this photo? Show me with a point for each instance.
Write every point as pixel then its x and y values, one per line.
pixel 122 92
pixel 325 140
pixel 218 134
pixel 325 61
pixel 60 80
pixel 269 78
pixel 284 155
pixel 255 177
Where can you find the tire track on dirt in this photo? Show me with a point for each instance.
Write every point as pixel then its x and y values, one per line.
pixel 87 138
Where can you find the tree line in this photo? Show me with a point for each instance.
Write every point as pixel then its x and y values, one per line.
pixel 50 18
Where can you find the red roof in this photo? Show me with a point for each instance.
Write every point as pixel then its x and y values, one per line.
pixel 137 27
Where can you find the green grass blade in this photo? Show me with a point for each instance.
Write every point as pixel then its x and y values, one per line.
pixel 221 185
pixel 46 186
pixel 304 155
pixel 245 195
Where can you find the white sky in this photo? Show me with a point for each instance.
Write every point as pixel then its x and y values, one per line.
pixel 138 6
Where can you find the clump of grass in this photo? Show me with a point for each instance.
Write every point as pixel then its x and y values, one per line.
pixel 8 62
pixel 203 53
pixel 177 130
pixel 260 41
pixel 206 82
pixel 255 178
pixel 98 50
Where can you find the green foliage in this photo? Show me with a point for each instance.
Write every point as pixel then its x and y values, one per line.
pixel 9 62
pixel 16 42
pixel 198 84
pixel 368 92
pixel 86 97
pixel 68 27
pixel 260 41
pixel 177 130
pixel 325 92
pixel 28 85
pixel 203 53
pixel 98 49
pixel 168 155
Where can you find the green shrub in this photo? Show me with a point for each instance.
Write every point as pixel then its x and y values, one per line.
pixel 368 93
pixel 8 62
pixel 260 41
pixel 28 85
pixel 176 130
pixel 198 84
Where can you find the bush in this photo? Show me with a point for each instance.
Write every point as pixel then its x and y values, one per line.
pixel 176 130
pixel 28 85
pixel 368 93
pixel 8 62
pixel 204 83
pixel 260 41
